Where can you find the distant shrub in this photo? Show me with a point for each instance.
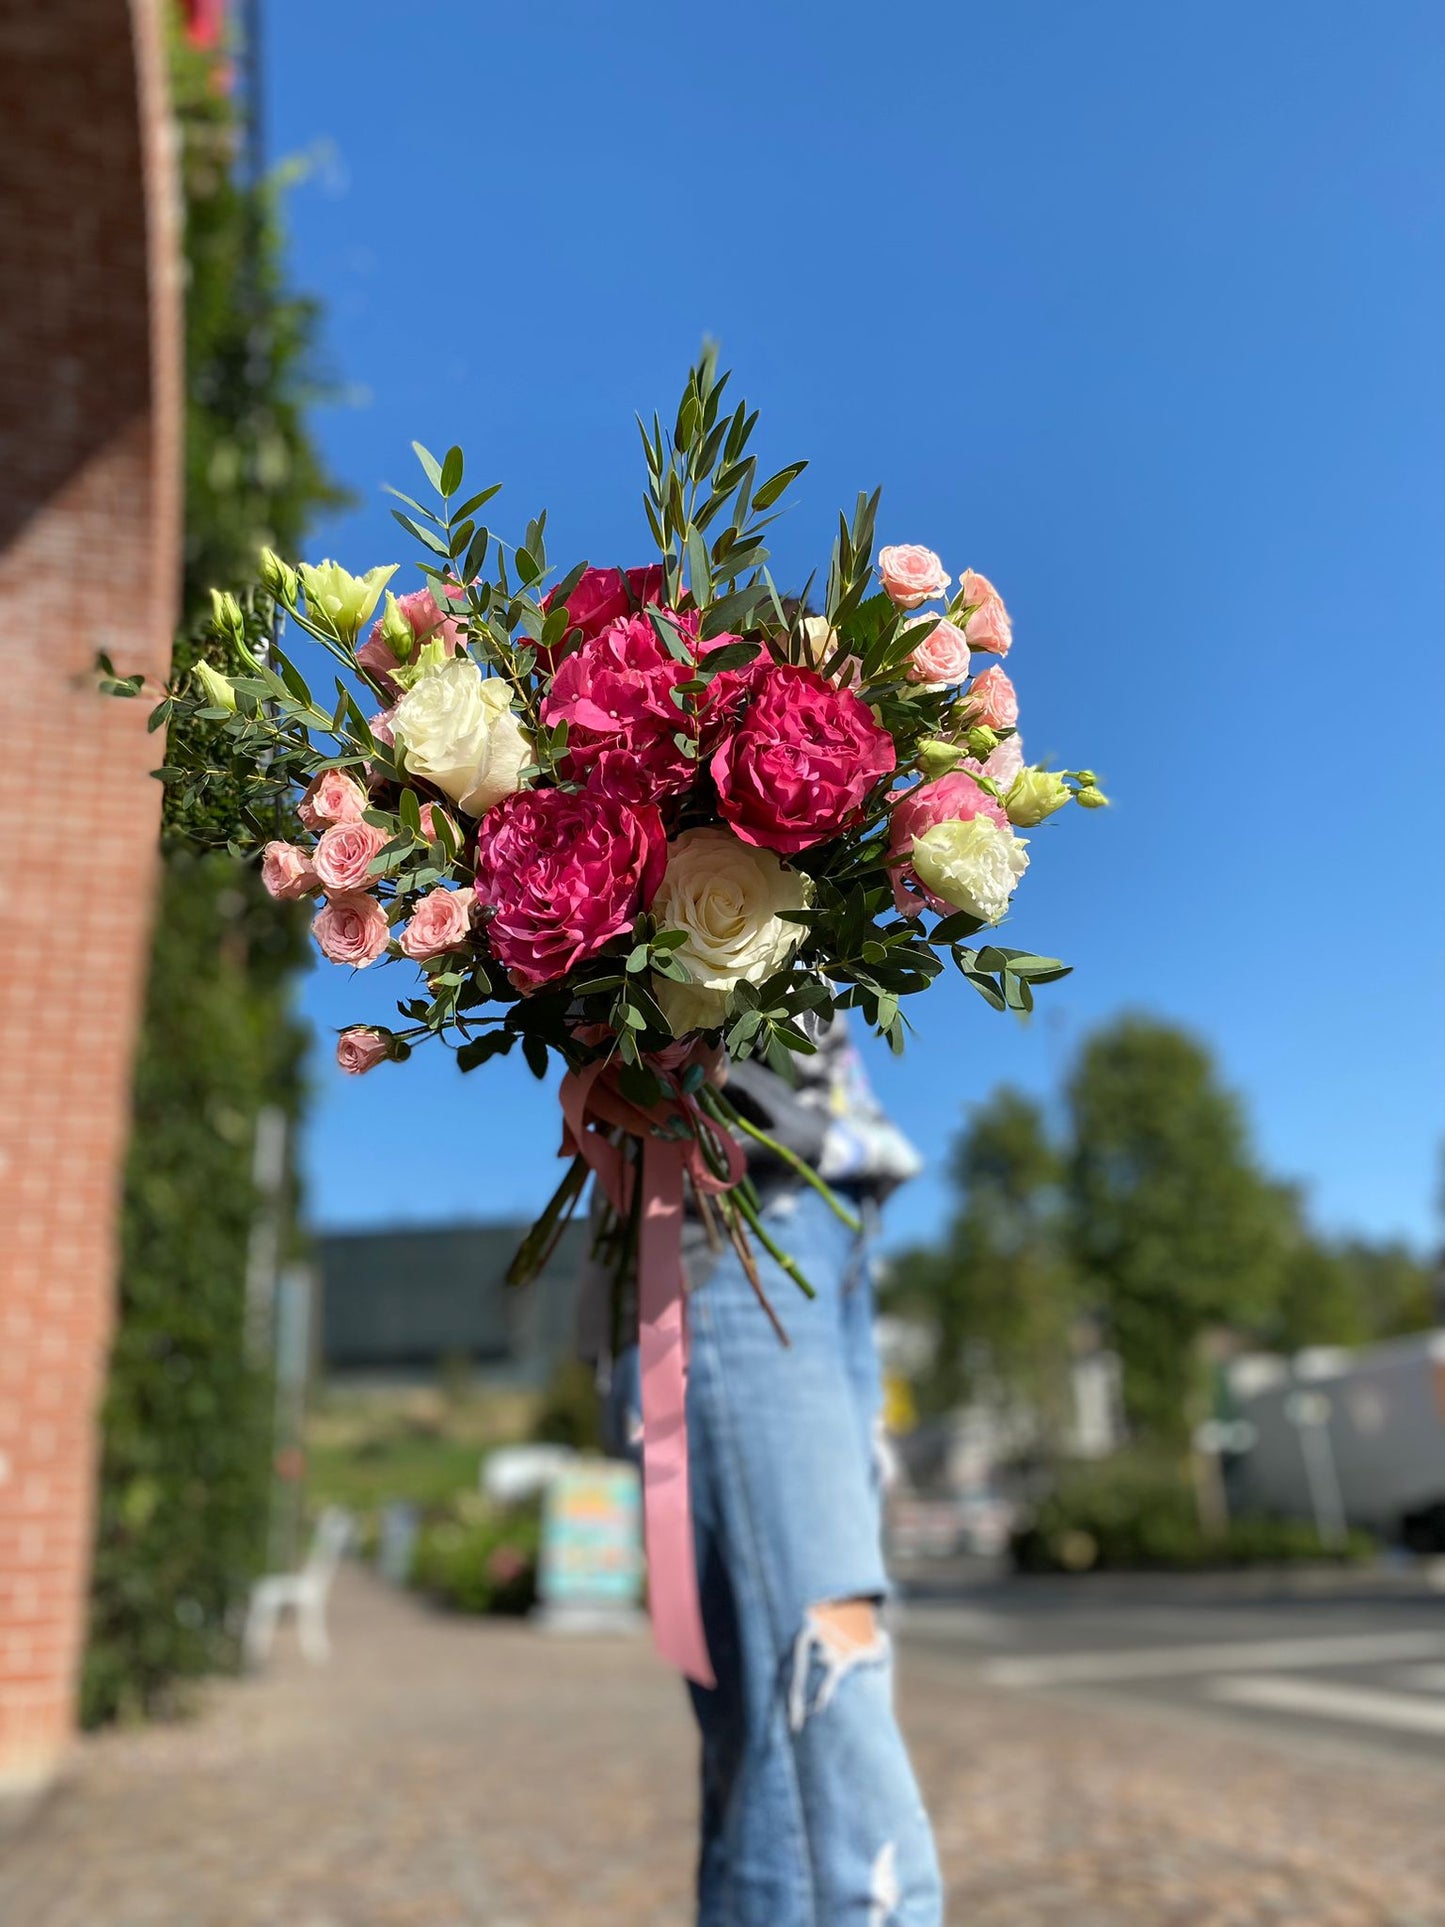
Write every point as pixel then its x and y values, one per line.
pixel 1137 1512
pixel 477 1559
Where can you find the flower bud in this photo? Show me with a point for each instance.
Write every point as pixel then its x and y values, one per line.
pixel 278 577
pixel 1091 798
pixel 1034 795
pixel 219 691
pixel 982 741
pixel 226 617
pixel 340 602
pixel 396 631
pixel 936 758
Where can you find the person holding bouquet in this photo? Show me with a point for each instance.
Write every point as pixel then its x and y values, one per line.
pixel 810 1812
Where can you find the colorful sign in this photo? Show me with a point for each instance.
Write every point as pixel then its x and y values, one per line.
pixel 592 1537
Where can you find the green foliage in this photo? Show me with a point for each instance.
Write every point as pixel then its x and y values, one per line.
pixel 1172 1225
pixel 186 1419
pixel 185 1465
pixel 1137 1511
pixel 998 1291
pixel 1152 1220
pixel 480 1559
pixel 569 1412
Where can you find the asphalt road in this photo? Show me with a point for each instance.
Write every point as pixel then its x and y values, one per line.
pixel 1360 1664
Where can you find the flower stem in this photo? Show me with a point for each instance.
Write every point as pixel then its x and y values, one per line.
pixel 717 1105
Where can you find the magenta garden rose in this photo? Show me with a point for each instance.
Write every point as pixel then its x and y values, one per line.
pixel 603 596
pixel 560 874
pixel 614 693
pixel 801 761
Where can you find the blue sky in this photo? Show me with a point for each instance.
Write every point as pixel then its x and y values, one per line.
pixel 1135 308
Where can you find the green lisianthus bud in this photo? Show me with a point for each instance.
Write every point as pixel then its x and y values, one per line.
pixel 226 617
pixel 1034 795
pixel 936 758
pixel 396 631
pixel 431 657
pixel 1090 797
pixel 219 691
pixel 278 577
pixel 982 741
pixel 340 602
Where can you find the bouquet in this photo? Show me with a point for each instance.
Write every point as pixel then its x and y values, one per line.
pixel 649 819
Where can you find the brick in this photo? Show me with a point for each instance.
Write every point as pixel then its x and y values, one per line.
pixel 89 448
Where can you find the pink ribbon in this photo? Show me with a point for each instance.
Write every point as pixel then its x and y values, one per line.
pixel 593 1107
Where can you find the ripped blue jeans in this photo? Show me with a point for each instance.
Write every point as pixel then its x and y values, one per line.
pixel 811 1816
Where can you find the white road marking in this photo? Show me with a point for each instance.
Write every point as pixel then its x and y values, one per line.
pixel 1166 1662
pixel 1428 1679
pixel 1364 1705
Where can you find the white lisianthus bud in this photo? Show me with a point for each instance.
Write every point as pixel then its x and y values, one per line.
pixel 1034 795
pixel 1091 797
pixel 455 727
pixel 725 896
pixel 340 602
pixel 219 691
pixel 975 866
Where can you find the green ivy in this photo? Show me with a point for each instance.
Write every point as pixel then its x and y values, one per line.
pixel 185 1472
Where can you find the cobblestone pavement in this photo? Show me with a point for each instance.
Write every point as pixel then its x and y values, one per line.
pixel 440 1771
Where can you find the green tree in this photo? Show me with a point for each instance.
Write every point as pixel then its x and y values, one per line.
pixel 998 1290
pixel 1173 1227
pixel 185 1469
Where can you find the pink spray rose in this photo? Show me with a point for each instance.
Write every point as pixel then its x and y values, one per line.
pixel 993 700
pixel 955 798
pixel 614 693
pixel 428 622
pixel 361 1049
pixel 334 797
pixel 440 922
pixel 563 873
pixel 351 930
pixel 801 761
pixel 941 658
pixel 343 856
pixel 911 575
pixel 603 596
pixel 287 872
pixel 988 627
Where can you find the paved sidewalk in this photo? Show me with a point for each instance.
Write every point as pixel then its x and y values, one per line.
pixel 442 1772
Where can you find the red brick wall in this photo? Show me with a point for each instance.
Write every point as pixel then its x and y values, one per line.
pixel 89 479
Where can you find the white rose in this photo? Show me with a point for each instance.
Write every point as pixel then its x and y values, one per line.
pixel 455 727
pixel 726 896
pixel 975 866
